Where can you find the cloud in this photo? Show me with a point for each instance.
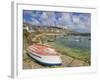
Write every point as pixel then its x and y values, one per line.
pixel 64 20
pixel 75 21
pixel 82 22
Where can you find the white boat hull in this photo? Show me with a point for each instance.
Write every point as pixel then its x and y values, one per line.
pixel 47 60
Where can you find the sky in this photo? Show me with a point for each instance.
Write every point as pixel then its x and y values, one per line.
pixel 80 22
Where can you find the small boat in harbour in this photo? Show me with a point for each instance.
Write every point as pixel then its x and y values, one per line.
pixel 77 40
pixel 44 54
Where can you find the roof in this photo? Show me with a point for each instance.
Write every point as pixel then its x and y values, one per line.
pixel 42 50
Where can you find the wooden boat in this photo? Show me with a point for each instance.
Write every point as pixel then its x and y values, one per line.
pixel 44 54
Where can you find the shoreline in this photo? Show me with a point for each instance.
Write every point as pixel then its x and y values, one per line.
pixel 67 61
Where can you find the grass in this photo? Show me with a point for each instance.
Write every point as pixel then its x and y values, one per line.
pixel 56 67
pixel 81 54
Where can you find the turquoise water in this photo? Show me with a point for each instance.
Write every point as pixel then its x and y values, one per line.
pixel 79 42
pixel 75 46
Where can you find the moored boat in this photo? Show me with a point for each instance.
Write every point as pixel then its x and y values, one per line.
pixel 44 54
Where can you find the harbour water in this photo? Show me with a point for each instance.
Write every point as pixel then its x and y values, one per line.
pixel 79 42
pixel 74 46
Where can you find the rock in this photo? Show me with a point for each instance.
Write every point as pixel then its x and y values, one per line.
pixel 66 60
pixel 77 63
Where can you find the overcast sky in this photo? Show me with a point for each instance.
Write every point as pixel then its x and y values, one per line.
pixel 80 22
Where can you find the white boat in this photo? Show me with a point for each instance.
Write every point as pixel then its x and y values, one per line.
pixel 44 54
pixel 77 40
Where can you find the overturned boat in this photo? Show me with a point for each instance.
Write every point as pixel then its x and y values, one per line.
pixel 44 54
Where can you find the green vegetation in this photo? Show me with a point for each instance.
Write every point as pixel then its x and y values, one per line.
pixel 41 37
pixel 56 67
pixel 81 54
